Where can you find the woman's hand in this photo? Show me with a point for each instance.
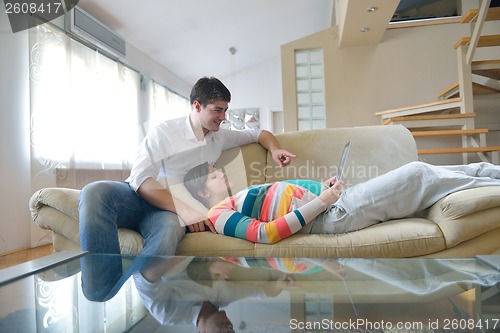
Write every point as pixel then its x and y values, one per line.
pixel 330 182
pixel 332 194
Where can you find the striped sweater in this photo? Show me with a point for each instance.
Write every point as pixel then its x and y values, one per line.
pixel 285 265
pixel 268 213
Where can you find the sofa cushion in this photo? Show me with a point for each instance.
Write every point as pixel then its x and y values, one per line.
pixel 209 244
pixel 466 214
pixel 398 238
pixel 244 165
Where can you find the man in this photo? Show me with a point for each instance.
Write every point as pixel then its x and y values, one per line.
pixel 144 202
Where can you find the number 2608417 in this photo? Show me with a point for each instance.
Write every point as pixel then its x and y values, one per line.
pixel 34 8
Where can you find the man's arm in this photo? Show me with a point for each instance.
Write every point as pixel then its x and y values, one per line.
pixel 161 198
pixel 282 157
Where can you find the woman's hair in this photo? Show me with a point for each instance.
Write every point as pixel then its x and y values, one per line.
pixel 195 180
pixel 209 89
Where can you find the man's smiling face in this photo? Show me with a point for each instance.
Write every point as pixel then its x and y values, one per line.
pixel 212 115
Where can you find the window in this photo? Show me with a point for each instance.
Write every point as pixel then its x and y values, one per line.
pixel 84 106
pixel 165 105
pixel 310 89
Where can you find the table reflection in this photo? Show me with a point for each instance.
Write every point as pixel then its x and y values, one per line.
pixel 115 293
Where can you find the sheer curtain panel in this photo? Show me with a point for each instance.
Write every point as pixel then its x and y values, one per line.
pixel 165 105
pixel 84 110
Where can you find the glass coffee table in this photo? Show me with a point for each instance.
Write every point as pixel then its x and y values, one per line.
pixel 81 292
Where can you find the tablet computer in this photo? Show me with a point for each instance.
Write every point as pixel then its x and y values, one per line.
pixel 343 160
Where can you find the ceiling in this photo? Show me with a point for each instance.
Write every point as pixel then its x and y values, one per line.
pixel 192 38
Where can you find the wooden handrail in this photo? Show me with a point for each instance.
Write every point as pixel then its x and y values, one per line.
pixel 441 102
pixel 430 117
pixel 458 150
pixel 449 132
pixel 493 14
pixel 484 41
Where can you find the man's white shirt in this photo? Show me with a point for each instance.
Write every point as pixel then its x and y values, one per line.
pixel 171 149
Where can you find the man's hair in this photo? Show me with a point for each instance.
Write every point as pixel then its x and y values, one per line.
pixel 195 180
pixel 208 90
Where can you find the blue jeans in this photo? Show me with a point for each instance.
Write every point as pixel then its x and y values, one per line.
pixel 401 193
pixel 105 206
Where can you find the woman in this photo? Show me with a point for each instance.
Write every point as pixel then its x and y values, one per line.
pixel 270 212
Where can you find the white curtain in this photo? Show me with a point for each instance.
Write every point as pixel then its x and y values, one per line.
pixel 165 105
pixel 84 106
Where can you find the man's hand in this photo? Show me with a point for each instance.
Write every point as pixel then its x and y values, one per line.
pixel 159 197
pixel 282 157
pixel 205 225
pixel 194 220
pixel 284 282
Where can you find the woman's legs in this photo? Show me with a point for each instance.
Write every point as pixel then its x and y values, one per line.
pixel 401 193
pixel 481 169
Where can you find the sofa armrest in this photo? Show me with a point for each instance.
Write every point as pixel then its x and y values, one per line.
pixel 64 200
pixel 56 209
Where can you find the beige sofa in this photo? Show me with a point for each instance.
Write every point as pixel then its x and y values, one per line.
pixel 462 224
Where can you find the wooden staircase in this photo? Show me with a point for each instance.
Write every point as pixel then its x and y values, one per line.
pixel 453 113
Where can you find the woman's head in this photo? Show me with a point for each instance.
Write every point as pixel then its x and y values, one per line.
pixel 207 184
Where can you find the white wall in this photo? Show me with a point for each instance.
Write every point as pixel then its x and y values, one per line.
pixel 258 86
pixel 15 171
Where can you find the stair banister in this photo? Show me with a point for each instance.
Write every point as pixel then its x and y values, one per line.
pixel 478 27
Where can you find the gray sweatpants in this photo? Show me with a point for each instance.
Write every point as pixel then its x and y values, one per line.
pixel 401 193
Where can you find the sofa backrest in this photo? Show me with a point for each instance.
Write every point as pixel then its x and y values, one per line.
pixel 374 151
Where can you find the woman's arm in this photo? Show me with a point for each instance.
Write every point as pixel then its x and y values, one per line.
pixel 230 222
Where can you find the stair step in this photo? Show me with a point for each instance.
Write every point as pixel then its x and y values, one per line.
pixel 493 73
pixel 487 68
pixel 477 89
pixel 484 41
pixel 449 132
pixel 430 117
pixel 432 151
pixel 486 64
pixel 421 108
pixel 492 15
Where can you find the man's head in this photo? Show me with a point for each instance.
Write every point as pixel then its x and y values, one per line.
pixel 209 102
pixel 208 90
pixel 218 323
pixel 213 320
